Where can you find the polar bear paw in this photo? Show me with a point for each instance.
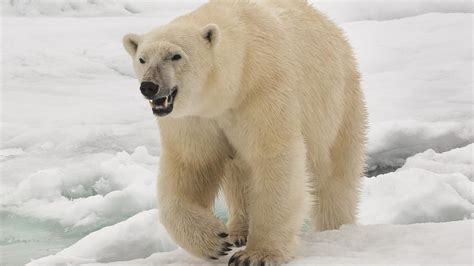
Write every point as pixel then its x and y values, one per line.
pixel 255 258
pixel 238 231
pixel 239 240
pixel 203 236
pixel 220 246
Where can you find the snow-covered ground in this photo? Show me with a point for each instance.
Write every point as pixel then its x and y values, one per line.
pixel 412 195
pixel 79 149
pixel 417 244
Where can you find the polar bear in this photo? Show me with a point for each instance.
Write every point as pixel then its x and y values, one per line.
pixel 261 99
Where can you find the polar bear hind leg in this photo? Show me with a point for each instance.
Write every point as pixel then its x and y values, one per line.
pixel 336 189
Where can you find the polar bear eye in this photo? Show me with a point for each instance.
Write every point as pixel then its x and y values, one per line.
pixel 176 57
pixel 142 61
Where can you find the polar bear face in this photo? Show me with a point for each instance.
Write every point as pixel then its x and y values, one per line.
pixel 173 65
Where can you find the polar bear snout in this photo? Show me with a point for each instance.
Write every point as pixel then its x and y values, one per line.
pixel 149 89
pixel 160 98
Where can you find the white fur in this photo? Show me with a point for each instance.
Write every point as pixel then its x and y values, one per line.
pixel 271 111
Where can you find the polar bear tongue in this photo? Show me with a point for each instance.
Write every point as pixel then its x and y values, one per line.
pixel 163 106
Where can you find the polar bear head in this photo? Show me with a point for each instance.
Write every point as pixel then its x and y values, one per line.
pixel 177 68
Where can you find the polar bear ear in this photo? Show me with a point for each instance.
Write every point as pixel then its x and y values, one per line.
pixel 130 42
pixel 211 34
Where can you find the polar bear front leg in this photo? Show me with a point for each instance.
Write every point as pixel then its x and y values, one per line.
pixel 277 196
pixel 235 187
pixel 186 195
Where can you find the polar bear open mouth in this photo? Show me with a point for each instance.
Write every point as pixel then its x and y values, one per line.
pixel 164 106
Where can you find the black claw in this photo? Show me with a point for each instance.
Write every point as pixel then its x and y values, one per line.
pixel 222 253
pixel 227 244
pixel 235 259
pixel 223 235
pixel 238 243
pixel 213 258
pixel 226 249
pixel 231 260
pixel 247 262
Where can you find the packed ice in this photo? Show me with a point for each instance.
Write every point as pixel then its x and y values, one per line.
pixel 80 148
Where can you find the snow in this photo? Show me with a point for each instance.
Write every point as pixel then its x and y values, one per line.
pixel 136 237
pixel 356 10
pixel 428 244
pixel 454 161
pixel 105 192
pixel 411 195
pixel 97 8
pixel 339 10
pixel 430 187
pixel 411 64
pixel 79 149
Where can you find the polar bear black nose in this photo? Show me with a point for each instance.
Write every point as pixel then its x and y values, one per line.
pixel 149 89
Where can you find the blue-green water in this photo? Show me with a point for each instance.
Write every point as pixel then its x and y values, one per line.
pixel 23 239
